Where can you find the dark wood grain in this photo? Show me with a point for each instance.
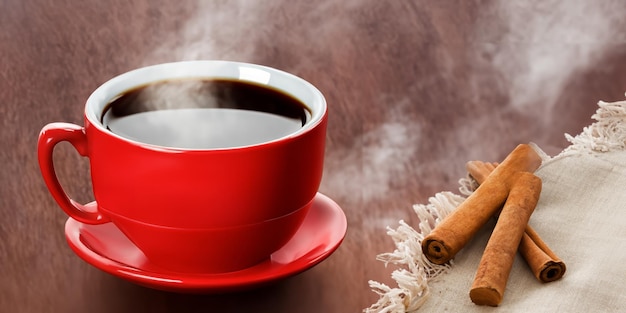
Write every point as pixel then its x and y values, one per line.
pixel 415 89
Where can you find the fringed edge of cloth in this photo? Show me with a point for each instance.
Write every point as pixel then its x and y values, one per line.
pixel 415 272
pixel 416 269
pixel 607 134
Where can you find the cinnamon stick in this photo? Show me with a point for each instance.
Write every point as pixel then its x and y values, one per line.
pixel 451 235
pixel 497 260
pixel 545 264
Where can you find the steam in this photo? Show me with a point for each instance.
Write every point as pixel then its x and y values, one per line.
pixel 223 30
pixel 536 48
pixel 533 48
pixel 374 167
pixel 538 45
pixel 369 169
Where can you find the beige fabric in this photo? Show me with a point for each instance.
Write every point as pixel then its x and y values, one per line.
pixel 581 215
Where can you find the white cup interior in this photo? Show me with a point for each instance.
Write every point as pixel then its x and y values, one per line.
pixel 290 84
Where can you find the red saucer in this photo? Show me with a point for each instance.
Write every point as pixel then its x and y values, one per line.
pixel 106 248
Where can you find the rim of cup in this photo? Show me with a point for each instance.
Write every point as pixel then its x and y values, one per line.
pixel 266 76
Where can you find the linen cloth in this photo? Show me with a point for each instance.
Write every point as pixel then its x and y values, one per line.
pixel 581 215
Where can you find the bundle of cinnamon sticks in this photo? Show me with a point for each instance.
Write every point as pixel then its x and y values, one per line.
pixel 508 192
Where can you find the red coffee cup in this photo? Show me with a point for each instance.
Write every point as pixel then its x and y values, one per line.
pixel 196 189
pixel 211 250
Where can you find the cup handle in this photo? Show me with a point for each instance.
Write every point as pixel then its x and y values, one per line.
pixel 49 137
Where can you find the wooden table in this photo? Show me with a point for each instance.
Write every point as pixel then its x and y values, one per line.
pixel 415 89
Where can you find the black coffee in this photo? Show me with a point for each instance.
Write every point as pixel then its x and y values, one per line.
pixel 204 114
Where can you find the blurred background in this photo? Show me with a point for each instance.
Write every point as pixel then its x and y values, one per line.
pixel 415 89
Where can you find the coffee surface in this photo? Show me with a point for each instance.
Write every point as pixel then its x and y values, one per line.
pixel 204 114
